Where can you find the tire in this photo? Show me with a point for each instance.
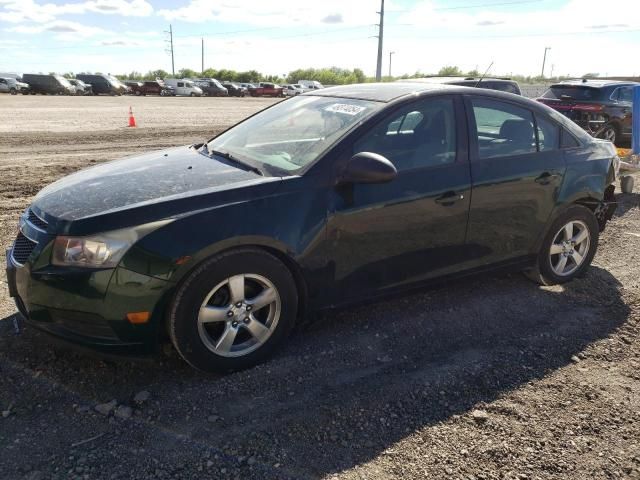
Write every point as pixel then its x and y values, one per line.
pixel 209 285
pixel 13 91
pixel 626 184
pixel 548 265
pixel 192 94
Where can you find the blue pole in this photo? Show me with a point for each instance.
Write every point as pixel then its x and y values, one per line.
pixel 635 130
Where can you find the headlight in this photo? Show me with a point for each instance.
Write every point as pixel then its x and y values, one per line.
pixel 104 250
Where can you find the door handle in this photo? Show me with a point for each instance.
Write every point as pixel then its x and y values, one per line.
pixel 449 198
pixel 546 178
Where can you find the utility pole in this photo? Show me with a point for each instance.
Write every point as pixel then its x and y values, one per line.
pixel 544 60
pixel 390 55
pixel 380 38
pixel 202 71
pixel 170 49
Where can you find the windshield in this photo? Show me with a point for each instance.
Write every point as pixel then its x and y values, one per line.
pixel 575 92
pixel 293 133
pixel 63 80
pixel 114 81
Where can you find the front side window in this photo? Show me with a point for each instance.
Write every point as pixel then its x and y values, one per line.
pixel 180 84
pixel 294 133
pixel 420 135
pixel 503 129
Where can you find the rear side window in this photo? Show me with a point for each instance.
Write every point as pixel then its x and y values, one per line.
pixel 548 133
pixel 420 135
pixel 503 129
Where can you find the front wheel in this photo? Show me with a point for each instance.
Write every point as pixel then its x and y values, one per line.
pixel 233 310
pixel 568 248
pixel 13 91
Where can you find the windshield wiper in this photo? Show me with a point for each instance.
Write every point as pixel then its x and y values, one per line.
pixel 234 159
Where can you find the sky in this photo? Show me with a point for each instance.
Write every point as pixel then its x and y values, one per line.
pixel 275 37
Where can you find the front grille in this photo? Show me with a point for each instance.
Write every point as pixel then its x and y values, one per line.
pixel 22 248
pixel 36 220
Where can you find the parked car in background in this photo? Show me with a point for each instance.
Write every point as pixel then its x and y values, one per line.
pixel 235 89
pixel 601 107
pixel 184 87
pixel 247 86
pixel 266 89
pixel 81 87
pixel 48 84
pixel 14 75
pixel 102 84
pixel 13 86
pixel 499 84
pixel 135 88
pixel 310 84
pixel 211 87
pixel 292 90
pixel 150 87
pixel 222 246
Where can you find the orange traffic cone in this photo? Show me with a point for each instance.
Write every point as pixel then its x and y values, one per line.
pixel 132 119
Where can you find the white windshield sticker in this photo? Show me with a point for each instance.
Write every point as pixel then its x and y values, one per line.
pixel 345 108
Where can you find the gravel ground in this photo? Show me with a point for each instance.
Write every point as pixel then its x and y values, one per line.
pixel 491 378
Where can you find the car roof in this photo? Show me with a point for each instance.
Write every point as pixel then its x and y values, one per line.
pixel 595 83
pixel 379 92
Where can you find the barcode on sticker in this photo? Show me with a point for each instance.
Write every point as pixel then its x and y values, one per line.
pixel 345 108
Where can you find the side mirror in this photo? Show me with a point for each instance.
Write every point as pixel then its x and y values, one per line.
pixel 368 167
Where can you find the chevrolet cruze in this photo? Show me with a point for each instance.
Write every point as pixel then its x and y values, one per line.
pixel 328 198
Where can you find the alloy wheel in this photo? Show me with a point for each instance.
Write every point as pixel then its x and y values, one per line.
pixel 239 315
pixel 569 248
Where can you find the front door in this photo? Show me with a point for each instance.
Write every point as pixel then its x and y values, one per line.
pixel 517 169
pixel 412 228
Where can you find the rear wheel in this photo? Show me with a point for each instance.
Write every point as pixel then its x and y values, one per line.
pixel 233 311
pixel 13 91
pixel 568 248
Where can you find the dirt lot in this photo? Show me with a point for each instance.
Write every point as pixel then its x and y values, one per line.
pixel 491 378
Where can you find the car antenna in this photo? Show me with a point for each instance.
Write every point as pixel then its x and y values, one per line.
pixel 484 74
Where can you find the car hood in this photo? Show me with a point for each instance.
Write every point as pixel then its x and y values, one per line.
pixel 147 187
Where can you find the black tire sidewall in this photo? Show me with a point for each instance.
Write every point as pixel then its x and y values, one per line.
pixel 575 212
pixel 183 326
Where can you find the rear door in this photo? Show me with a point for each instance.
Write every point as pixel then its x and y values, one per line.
pixel 412 228
pixel 517 169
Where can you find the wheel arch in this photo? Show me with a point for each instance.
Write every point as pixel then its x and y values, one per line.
pixel 270 246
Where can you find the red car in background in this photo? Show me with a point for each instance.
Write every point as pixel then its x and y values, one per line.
pixel 265 89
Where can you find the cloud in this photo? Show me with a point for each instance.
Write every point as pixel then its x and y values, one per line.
pixel 19 11
pixel 66 30
pixel 333 18
pixel 260 12
pixel 488 23
pixel 61 29
pixel 609 25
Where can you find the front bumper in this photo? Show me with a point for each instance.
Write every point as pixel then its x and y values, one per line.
pixel 89 308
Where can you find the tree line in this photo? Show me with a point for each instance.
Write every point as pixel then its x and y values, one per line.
pixel 326 76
